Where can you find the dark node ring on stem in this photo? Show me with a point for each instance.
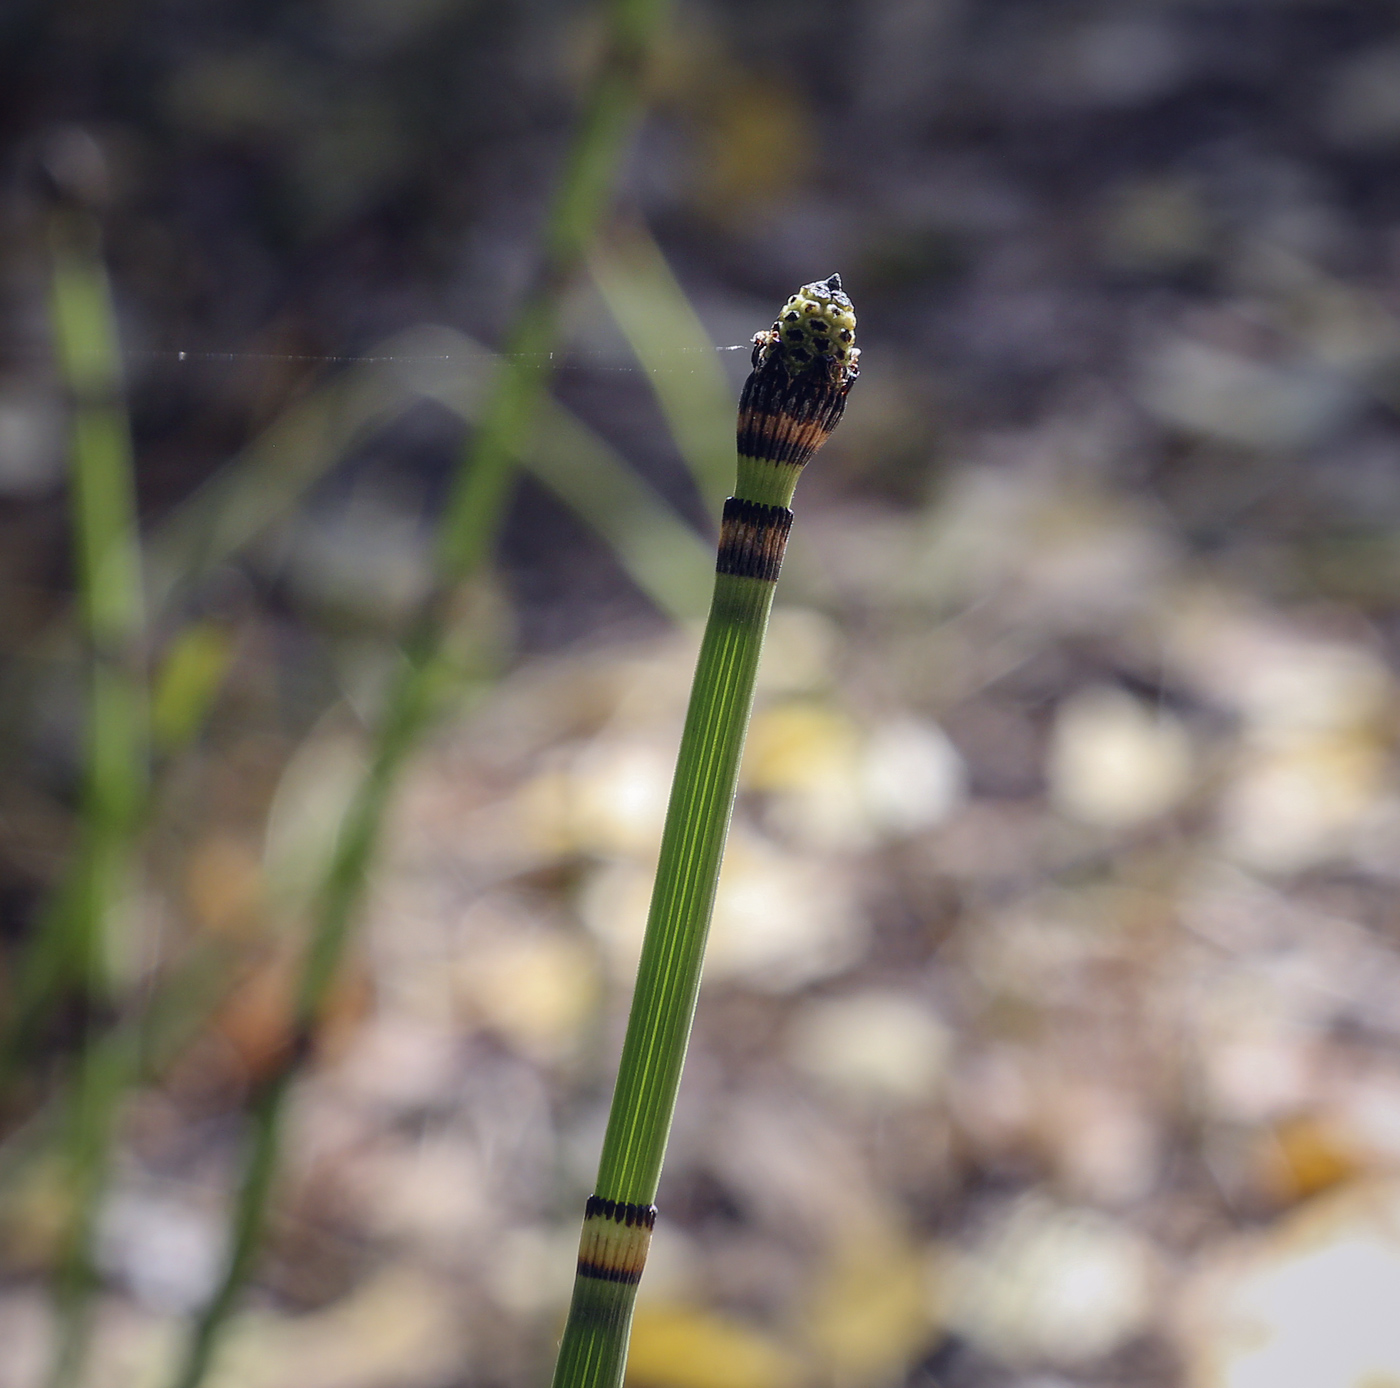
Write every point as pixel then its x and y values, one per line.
pixel 630 1215
pixel 616 1237
pixel 752 539
pixel 783 418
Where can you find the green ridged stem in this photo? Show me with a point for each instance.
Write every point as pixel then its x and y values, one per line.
pixel 770 484
pixel 593 1352
pixel 594 1347
pixel 803 369
pixel 692 846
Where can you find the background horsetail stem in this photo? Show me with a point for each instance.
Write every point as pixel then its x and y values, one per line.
pixel 468 528
pixel 70 955
pixel 67 950
pixel 69 958
pixel 803 368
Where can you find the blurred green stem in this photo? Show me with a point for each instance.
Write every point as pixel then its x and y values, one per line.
pixel 581 198
pixel 469 526
pixel 70 948
pixel 662 328
pixel 263 484
pixel 73 947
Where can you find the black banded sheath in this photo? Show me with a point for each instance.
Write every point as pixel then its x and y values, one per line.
pixel 803 368
pixel 752 539
pixel 615 1240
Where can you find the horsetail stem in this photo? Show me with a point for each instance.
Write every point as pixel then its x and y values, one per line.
pixel 69 959
pixel 803 368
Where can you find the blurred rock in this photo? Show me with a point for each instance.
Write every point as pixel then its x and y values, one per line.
pixel 433 1194
pixel 224 885
pixel 1310 1303
pixel 606 797
pixel 1155 224
pixel 1114 762
pixel 868 1314
pixel 1275 406
pixel 830 784
pixel 398 1063
pixel 538 991
pixel 169 1253
pixel 24 1323
pixel 1315 755
pixel 1058 555
pixel 1104 1142
pixel 795 1168
pixel 366 560
pixel 1290 807
pixel 1361 107
pixel 912 776
pixel 806 757
pixel 31 438
pixel 874 1045
pixel 399 1326
pixel 532 1272
pixel 1116 60
pixel 800 653
pixel 1050 1284
pixel 1257 1046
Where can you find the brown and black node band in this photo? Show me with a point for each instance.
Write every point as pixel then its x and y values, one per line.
pixel 752 538
pixel 785 420
pixel 615 1240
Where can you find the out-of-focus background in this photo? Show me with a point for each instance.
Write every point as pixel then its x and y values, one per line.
pixel 1051 1028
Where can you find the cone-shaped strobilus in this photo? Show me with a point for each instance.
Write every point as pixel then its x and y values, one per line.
pixel 803 368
